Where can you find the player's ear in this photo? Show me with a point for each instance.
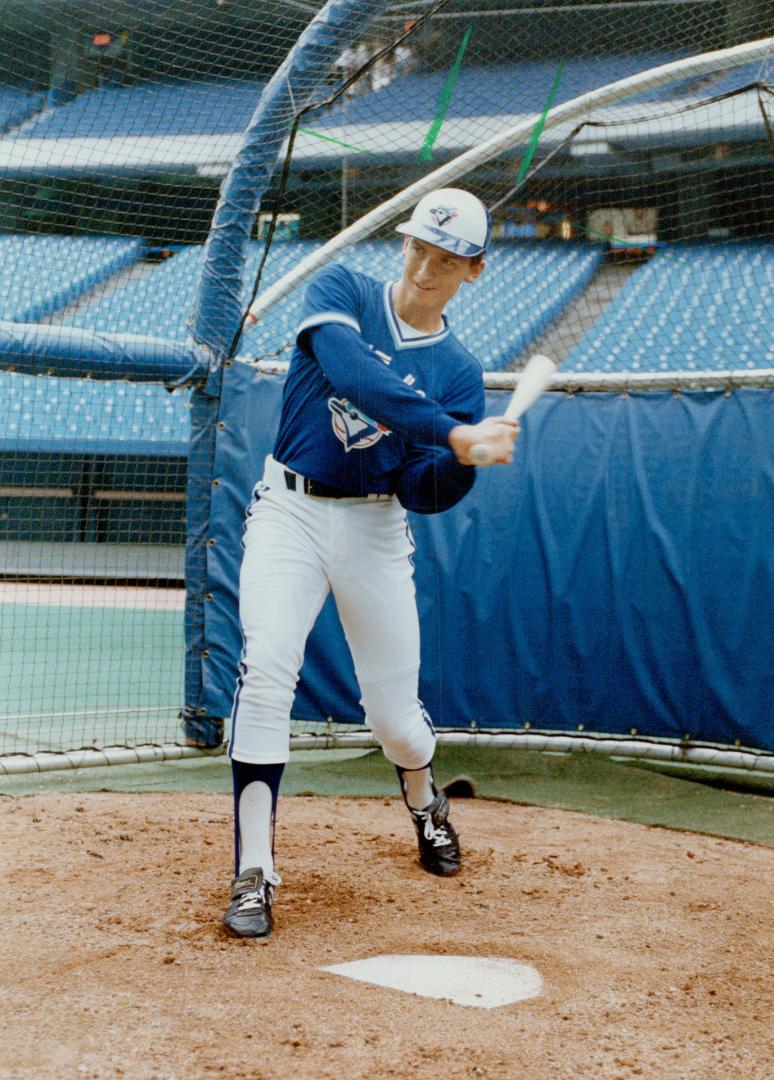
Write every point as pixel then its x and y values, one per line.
pixel 474 269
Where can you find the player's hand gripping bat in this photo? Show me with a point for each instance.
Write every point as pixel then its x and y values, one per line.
pixel 533 380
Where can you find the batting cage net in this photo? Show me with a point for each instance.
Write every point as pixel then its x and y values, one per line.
pixel 172 173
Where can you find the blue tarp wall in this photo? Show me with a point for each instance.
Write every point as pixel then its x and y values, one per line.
pixel 618 577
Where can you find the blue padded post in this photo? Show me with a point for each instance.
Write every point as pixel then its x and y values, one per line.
pixel 75 353
pixel 218 309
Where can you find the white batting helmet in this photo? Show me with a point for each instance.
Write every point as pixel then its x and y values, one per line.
pixel 451 219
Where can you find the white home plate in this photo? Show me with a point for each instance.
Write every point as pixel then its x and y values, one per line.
pixel 482 981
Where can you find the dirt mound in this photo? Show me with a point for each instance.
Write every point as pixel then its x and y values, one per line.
pixel 649 943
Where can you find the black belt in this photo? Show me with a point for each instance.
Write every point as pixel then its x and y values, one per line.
pixel 296 482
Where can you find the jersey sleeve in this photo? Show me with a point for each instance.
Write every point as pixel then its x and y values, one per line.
pixel 465 399
pixel 431 479
pixel 331 297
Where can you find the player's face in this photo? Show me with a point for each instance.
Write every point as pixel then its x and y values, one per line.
pixel 431 276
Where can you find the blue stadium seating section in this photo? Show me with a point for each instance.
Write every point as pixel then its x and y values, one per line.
pixel 40 274
pixel 527 285
pixel 161 302
pixel 497 90
pixel 16 105
pixel 694 306
pixel 216 108
pixel 123 418
pixel 46 415
pixel 120 417
pixel 168 108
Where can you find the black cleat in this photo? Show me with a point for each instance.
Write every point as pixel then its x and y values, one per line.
pixel 249 913
pixel 439 845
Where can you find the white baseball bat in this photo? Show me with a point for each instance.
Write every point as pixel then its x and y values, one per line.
pixel 533 380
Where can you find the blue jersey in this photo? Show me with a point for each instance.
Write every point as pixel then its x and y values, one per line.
pixel 379 414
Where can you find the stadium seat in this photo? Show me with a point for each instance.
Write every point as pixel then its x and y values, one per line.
pixel 160 301
pixel 41 274
pixel 16 105
pixel 694 306
pixel 496 321
pixel 723 323
pixel 178 107
pixel 164 108
pixel 501 89
pixel 79 416
pixel 157 301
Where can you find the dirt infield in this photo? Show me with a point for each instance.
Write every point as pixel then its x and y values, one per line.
pixel 654 946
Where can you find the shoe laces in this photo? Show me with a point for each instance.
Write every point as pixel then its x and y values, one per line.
pixel 437 834
pixel 255 899
pixel 252 901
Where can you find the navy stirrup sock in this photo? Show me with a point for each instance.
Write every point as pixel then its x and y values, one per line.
pixel 417 786
pixel 244 773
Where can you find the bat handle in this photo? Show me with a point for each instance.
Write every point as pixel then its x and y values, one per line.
pixel 481 454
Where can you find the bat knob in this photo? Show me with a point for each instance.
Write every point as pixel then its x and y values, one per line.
pixel 480 455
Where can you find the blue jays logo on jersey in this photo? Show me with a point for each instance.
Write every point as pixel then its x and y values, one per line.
pixel 441 215
pixel 352 427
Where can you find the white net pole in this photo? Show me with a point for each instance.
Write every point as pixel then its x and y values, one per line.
pixel 613 381
pixel 658 750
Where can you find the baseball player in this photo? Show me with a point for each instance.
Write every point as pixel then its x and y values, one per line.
pixel 381 408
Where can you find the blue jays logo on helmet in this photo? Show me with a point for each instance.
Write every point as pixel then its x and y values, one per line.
pixel 352 427
pixel 452 219
pixel 441 215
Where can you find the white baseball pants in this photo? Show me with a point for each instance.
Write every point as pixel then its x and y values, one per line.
pixel 297 548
